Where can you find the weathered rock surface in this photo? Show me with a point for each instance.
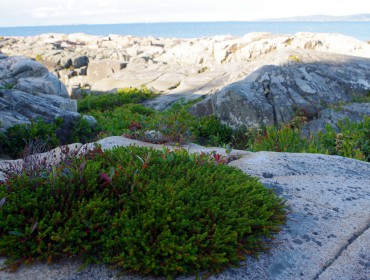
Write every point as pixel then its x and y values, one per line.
pixel 28 90
pixel 299 80
pixel 354 112
pixel 260 78
pixel 176 67
pixel 327 234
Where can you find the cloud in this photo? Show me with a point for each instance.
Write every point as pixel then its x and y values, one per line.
pixel 50 12
pixel 46 12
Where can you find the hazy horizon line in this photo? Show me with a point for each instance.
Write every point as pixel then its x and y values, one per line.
pixel 314 18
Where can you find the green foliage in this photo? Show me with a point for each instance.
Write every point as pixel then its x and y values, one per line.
pixel 178 126
pixel 295 58
pixel 6 86
pixel 361 97
pixel 352 140
pixel 175 124
pixel 285 139
pixel 38 136
pixel 117 120
pixel 119 114
pixel 139 210
pixel 84 132
pixel 243 138
pixel 109 101
pixel 38 57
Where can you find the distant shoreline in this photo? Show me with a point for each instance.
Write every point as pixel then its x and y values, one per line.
pixel 356 29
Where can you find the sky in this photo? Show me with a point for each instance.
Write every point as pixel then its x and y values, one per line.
pixel 65 12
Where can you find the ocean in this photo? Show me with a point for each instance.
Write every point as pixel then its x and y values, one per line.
pixel 357 29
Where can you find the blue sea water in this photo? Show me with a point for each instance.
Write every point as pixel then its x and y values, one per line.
pixel 359 30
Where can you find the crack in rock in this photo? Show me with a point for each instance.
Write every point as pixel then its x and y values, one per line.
pixel 348 243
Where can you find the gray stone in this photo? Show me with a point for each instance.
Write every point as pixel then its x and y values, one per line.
pixel 47 84
pixel 80 61
pixel 354 112
pixel 327 196
pixel 24 107
pixel 21 68
pixel 82 71
pixel 273 94
pixel 154 135
pixel 102 69
pixel 65 62
pixel 230 58
pixel 32 92
pixel 353 262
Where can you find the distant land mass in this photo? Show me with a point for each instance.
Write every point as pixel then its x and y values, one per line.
pixel 357 17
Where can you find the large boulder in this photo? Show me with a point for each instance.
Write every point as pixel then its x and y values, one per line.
pixel 300 80
pixel 28 91
pixel 101 69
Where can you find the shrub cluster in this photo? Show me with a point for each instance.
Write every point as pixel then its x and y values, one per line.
pixel 39 136
pixel 352 140
pixel 134 120
pixel 108 101
pixel 120 114
pixel 139 210
pixel 178 126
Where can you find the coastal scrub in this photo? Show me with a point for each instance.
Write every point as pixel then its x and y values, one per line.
pixel 139 210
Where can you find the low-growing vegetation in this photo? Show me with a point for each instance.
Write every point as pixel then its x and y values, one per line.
pixel 139 210
pixel 37 135
pixel 38 57
pixel 6 86
pixel 361 97
pixel 109 101
pixel 352 140
pixel 146 211
pixel 122 114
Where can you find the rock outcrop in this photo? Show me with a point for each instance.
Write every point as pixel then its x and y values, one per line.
pixel 292 81
pixel 175 67
pixel 327 235
pixel 257 79
pixel 28 91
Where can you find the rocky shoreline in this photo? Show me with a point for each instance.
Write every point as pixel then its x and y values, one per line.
pixel 257 79
pixel 272 75
pixel 170 66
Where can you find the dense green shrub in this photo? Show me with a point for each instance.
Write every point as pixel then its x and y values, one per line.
pixel 283 139
pixel 361 97
pixel 352 140
pixel 117 120
pixel 209 131
pixel 175 124
pixel 38 136
pixel 119 114
pixel 139 210
pixel 84 132
pixel 109 101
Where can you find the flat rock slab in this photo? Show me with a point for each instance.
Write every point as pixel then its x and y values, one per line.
pixel 329 198
pixel 327 235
